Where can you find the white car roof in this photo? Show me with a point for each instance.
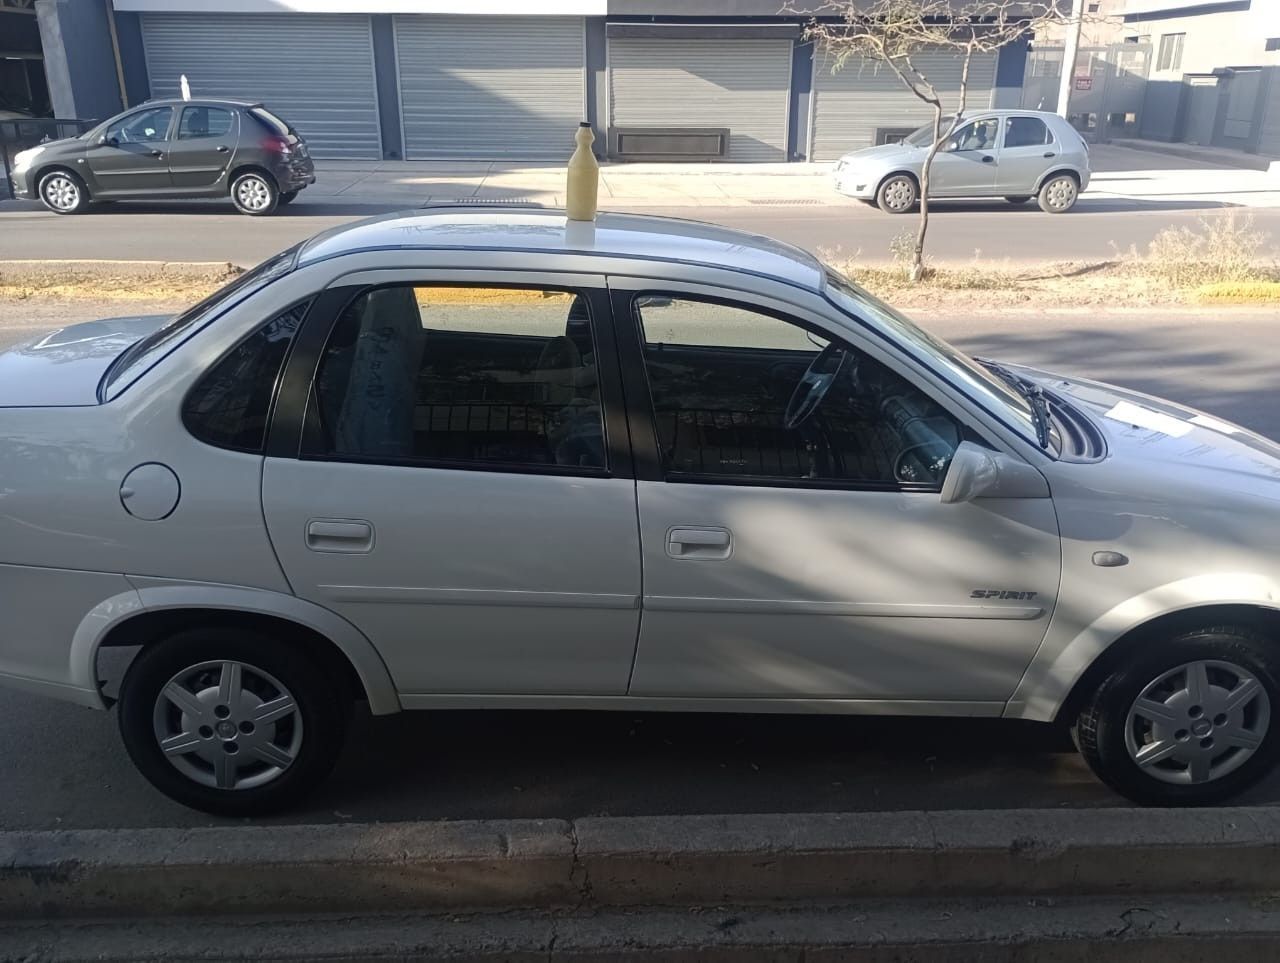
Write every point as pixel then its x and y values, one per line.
pixel 631 236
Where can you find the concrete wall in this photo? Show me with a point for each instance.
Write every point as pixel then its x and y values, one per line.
pixel 79 61
pixel 1224 35
pixel 1269 132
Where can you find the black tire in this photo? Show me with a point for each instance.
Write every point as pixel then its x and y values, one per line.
pixel 1019 199
pixel 1058 194
pixel 897 194
pixel 255 193
pixel 1101 725
pixel 288 196
pixel 323 713
pixel 63 192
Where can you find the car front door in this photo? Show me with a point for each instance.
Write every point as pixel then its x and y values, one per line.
pixel 202 147
pixel 966 164
pixel 456 494
pixel 132 155
pixel 1026 153
pixel 795 542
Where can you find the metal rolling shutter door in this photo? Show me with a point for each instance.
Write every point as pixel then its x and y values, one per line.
pixel 490 87
pixel 314 71
pixel 850 104
pixel 743 85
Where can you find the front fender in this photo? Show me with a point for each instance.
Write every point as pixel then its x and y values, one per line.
pixel 1061 661
pixel 153 595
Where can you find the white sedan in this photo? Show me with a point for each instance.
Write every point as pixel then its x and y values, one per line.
pixel 461 459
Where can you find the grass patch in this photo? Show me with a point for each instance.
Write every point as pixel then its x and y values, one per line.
pixel 112 282
pixel 1239 292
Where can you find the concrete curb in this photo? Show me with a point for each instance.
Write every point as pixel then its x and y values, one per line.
pixel 619 862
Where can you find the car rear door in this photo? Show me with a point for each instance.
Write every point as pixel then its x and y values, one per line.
pixel 1026 153
pixel 203 146
pixel 132 157
pixel 815 562
pixel 448 473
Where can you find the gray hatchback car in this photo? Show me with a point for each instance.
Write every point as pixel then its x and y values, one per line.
pixel 1014 154
pixel 172 149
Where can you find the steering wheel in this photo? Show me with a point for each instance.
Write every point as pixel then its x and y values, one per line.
pixel 814 385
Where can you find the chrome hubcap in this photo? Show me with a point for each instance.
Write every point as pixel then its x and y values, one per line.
pixel 1062 193
pixel 61 192
pixel 228 725
pixel 253 193
pixel 899 194
pixel 1198 722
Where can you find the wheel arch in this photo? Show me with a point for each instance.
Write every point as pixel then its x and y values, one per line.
pixel 155 612
pixel 52 166
pixel 905 172
pixel 250 168
pixel 1054 172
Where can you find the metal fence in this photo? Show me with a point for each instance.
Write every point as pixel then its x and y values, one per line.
pixel 18 135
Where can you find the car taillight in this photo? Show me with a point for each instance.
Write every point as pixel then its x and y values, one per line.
pixel 278 145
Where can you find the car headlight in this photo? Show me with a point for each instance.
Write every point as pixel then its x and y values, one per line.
pixel 25 158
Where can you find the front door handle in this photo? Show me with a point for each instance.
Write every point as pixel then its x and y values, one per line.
pixel 157 153
pixel 222 148
pixel 350 536
pixel 704 543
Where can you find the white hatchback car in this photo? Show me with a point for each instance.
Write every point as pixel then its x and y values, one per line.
pixel 460 459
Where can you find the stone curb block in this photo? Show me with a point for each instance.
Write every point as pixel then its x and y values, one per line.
pixel 635 861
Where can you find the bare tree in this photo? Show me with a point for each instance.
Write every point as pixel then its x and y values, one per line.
pixel 895 33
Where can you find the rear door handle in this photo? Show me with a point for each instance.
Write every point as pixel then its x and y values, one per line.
pixel 987 159
pixel 1050 154
pixel 353 537
pixel 222 148
pixel 703 543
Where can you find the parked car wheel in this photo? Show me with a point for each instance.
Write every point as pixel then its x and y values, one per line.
pixel 255 193
pixel 288 196
pixel 1190 721
pixel 1059 194
pixel 63 192
pixel 897 194
pixel 233 723
pixel 1019 199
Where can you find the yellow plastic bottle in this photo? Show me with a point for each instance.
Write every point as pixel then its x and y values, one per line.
pixel 583 178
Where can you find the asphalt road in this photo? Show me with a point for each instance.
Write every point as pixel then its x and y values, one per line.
pixel 960 230
pixel 62 766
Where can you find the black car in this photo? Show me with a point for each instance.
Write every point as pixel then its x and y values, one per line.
pixel 172 148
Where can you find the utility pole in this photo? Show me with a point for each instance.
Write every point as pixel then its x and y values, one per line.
pixel 1070 47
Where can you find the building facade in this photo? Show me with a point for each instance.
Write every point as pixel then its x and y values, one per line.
pixel 503 79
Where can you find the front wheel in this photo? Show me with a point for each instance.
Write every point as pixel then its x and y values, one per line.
pixel 63 193
pixel 1059 194
pixel 1188 720
pixel 255 194
pixel 231 722
pixel 897 195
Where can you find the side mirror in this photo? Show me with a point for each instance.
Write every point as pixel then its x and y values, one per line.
pixel 108 141
pixel 976 472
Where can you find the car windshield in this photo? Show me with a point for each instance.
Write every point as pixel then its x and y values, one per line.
pixel 994 391
pixel 140 356
pixel 923 137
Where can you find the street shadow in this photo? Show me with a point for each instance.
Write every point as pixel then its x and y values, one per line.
pixel 1086 205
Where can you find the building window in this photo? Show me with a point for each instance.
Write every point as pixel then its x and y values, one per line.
pixel 1093 8
pixel 1273 43
pixel 1170 57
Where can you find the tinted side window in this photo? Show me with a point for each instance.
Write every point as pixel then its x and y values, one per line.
pixel 460 377
pixel 734 397
pixel 143 127
pixel 1026 132
pixel 980 135
pixel 204 122
pixel 230 405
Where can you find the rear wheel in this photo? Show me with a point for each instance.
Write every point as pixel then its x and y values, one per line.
pixel 231 722
pixel 63 192
pixel 1189 721
pixel 1059 194
pixel 897 194
pixel 255 193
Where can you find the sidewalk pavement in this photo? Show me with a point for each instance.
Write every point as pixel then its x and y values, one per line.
pixel 1120 173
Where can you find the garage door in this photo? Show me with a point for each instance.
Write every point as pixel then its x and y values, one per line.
pixel 864 95
pixel 314 71
pixel 490 87
pixel 743 85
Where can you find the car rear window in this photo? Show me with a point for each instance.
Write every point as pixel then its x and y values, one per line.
pixel 271 121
